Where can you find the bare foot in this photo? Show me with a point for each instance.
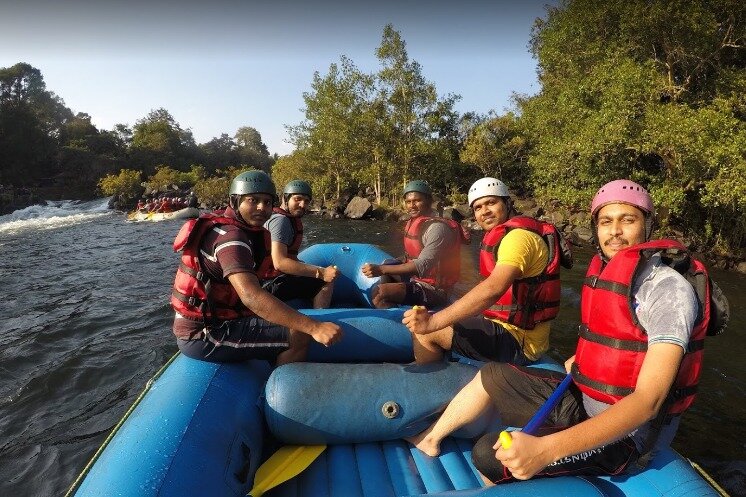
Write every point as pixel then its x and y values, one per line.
pixel 425 442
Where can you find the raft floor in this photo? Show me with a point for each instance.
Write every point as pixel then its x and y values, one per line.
pixel 384 469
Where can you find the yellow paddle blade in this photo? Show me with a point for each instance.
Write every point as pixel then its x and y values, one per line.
pixel 287 462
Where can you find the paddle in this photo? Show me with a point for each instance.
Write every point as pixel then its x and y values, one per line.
pixel 287 462
pixel 541 415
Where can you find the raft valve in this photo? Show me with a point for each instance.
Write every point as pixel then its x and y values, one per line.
pixel 390 409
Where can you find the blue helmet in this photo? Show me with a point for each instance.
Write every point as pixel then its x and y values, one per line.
pixel 298 187
pixel 418 186
pixel 253 182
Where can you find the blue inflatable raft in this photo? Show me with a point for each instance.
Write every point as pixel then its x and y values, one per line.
pixel 204 429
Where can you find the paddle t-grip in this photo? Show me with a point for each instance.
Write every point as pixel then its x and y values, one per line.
pixel 505 439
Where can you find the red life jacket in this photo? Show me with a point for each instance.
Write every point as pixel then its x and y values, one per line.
pixel 447 271
pixel 612 343
pixel 195 295
pixel 293 248
pixel 528 301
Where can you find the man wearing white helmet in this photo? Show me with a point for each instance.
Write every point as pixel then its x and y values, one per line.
pixel 520 259
pixel 636 365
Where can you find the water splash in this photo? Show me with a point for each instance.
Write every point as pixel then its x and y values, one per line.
pixel 54 214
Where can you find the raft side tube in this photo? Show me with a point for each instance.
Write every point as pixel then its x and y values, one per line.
pixel 369 335
pixel 198 431
pixel 314 403
pixel 352 288
pixel 560 486
pixel 669 474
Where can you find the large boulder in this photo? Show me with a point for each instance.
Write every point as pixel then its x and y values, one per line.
pixel 741 267
pixel 584 233
pixel 358 208
pixel 453 213
pixel 465 211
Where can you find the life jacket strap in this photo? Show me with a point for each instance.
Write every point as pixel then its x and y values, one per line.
pixel 615 343
pixel 198 275
pixel 191 301
pixel 540 278
pixel 674 395
pixel 695 346
pixel 612 286
pixel 538 306
pixel 582 379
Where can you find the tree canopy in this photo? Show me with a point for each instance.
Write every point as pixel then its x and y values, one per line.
pixel 44 145
pixel 377 129
pixel 647 90
pixel 651 90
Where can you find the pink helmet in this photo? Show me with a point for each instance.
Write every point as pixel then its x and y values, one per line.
pixel 622 191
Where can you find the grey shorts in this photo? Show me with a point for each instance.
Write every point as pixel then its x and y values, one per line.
pixel 420 293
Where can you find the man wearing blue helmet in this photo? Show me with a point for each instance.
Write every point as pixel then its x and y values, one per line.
pixel 288 278
pixel 222 312
pixel 432 247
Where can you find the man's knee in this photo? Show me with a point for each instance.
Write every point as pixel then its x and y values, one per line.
pixel 483 457
pixel 443 339
pixel 388 294
pixel 299 340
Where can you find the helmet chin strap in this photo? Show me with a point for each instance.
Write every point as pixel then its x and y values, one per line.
pixel 509 206
pixel 233 202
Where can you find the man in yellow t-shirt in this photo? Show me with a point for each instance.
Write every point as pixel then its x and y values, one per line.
pixel 520 259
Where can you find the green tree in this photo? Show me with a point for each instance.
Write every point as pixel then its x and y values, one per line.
pixel 220 152
pixel 298 166
pixel 30 122
pixel 423 138
pixel 333 134
pixel 126 184
pixel 650 90
pixel 499 147
pixel 251 149
pixel 213 191
pixel 158 139
pixel 86 154
pixel 378 129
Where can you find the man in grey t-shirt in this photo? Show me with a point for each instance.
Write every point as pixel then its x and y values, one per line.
pixel 292 279
pixel 432 266
pixel 585 435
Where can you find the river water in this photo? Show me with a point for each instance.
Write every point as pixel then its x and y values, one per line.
pixel 86 322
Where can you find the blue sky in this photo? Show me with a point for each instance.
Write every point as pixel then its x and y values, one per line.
pixel 218 65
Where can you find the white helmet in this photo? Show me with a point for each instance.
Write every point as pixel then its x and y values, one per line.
pixel 487 187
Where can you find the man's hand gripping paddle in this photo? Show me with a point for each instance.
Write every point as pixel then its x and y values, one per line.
pixel 541 415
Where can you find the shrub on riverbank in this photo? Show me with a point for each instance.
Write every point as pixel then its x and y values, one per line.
pixel 126 184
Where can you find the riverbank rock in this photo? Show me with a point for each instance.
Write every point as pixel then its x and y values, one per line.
pixel 358 208
pixel 12 199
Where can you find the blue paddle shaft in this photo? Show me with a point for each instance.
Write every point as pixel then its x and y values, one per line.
pixel 541 415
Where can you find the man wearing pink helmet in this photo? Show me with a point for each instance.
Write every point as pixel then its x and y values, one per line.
pixel 635 368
